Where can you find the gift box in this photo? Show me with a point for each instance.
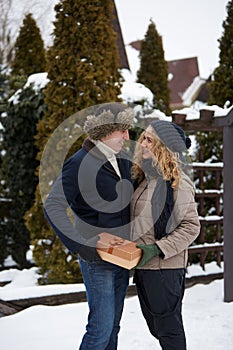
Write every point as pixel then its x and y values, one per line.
pixel 118 251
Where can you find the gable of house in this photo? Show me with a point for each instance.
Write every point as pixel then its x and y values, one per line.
pixel 184 81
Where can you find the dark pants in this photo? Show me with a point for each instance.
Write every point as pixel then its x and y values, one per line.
pixel 160 294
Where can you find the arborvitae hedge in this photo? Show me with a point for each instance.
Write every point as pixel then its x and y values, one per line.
pixel 83 71
pixel 29 53
pixel 19 164
pixel 221 90
pixel 3 202
pixel 18 180
pixel 153 72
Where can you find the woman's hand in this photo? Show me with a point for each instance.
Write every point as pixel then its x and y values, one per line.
pixel 148 252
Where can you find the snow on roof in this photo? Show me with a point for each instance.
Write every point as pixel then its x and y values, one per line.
pixel 192 90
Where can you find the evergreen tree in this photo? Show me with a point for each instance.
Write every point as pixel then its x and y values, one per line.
pixel 153 72
pixel 221 86
pixel 29 53
pixel 210 144
pixel 4 203
pixel 18 165
pixel 83 69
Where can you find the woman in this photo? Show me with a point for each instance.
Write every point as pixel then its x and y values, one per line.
pixel 164 223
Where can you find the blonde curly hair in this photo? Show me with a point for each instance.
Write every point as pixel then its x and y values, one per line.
pixel 168 163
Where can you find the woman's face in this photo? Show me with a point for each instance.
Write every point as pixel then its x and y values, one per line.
pixel 147 144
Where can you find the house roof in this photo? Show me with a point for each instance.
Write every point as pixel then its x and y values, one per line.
pixel 120 42
pixel 182 74
pixel 136 44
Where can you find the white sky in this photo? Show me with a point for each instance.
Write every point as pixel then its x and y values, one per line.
pixel 188 27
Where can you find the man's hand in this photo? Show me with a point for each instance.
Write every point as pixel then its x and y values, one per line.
pixel 88 254
pixel 88 251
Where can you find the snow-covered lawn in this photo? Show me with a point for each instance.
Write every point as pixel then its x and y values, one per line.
pixel 208 319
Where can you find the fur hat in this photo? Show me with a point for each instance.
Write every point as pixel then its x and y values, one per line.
pixel 171 135
pixel 108 118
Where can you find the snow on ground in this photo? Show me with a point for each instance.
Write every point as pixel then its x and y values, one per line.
pixel 208 320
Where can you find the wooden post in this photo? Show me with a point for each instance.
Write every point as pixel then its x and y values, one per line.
pixel 228 211
pixel 227 124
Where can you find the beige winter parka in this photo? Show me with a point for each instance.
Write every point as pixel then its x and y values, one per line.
pixel 186 227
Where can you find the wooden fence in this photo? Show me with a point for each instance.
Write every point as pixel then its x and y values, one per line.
pixel 202 247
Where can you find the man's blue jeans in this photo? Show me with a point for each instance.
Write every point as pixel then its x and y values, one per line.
pixel 106 285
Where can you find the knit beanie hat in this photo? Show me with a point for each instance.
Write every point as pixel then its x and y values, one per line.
pixel 108 118
pixel 171 135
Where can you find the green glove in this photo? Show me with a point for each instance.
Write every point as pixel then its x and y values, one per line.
pixel 148 252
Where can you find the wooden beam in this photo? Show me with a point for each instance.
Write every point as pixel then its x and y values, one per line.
pixel 225 121
pixel 8 308
pixel 206 122
pixel 227 212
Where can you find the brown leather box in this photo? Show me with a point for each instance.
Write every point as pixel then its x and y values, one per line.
pixel 118 251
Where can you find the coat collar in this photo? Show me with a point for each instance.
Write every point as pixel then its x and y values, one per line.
pixel 89 146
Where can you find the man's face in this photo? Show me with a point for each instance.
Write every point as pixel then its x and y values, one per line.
pixel 116 139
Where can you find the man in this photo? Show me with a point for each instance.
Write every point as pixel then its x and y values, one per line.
pixel 95 184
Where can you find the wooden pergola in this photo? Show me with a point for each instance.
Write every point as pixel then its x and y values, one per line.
pixel 209 122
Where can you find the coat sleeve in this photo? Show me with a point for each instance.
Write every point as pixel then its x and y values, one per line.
pixel 63 192
pixel 185 222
